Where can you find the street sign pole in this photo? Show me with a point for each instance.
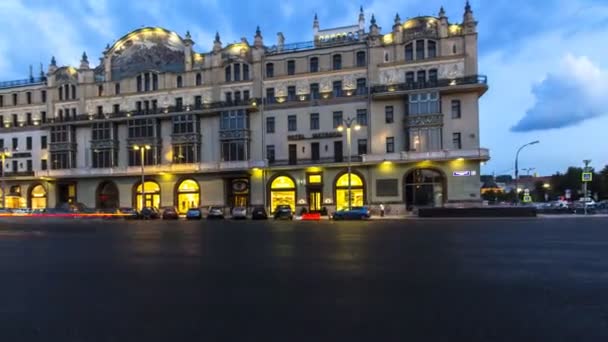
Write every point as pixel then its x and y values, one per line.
pixel 586 180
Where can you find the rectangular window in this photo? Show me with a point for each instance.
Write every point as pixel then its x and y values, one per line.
pixel 59 134
pixel 42 117
pixel 1 100
pixel 154 82
pixel 421 76
pixel 43 164
pixel 99 112
pixel 237 72
pixel 245 72
pixel 15 143
pixel 337 62
pixel 228 96
pixel 102 158
pixel 73 92
pixel 28 97
pixel 314 91
pixel 74 113
pixel 456 141
pixel 147 82
pixel 60 90
pixel 314 121
pixel 116 108
pixel 362 117
pixel 233 120
pixel 432 49
pixel 293 154
pixel 291 93
pixel 185 154
pixel 246 95
pixel 361 59
pixel 179 104
pixel 237 96
pixel 292 123
pixel 154 106
pixel 117 88
pixel 387 187
pixel 270 124
pixel 456 109
pixel 314 64
pixel 15 100
pixel 43 96
pixel 139 87
pixel 15 166
pixel 389 114
pixel 29 165
pixel 315 151
pixel 183 124
pixel 270 95
pixel 101 131
pixel 291 67
pixel 390 145
pixel 337 88
pixel 43 142
pixel 409 52
pixel 424 103
pixel 141 128
pixel 270 153
pixel 419 49
pixel 361 86
pixel 198 102
pixel 269 70
pixel 28 119
pixel 28 143
pixel 150 157
pixel 338 151
pixel 337 119
pixel 361 146
pixel 233 151
pixel 15 120
pixel 1 146
pixel 433 77
pixel 228 73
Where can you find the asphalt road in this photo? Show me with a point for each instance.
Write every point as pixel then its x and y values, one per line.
pixel 411 280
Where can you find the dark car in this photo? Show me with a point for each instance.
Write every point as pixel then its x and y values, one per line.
pixel 170 213
pixel 355 213
pixel 150 213
pixel 259 213
pixel 194 214
pixel 283 212
pixel 129 213
pixel 215 213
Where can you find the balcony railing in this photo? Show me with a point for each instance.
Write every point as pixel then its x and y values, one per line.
pixel 479 153
pixel 308 98
pixel 22 83
pixel 325 160
pixel 444 82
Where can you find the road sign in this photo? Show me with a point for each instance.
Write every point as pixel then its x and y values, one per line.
pixel 568 194
pixel 587 176
pixel 527 199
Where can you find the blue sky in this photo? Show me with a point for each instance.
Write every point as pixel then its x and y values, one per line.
pixel 548 80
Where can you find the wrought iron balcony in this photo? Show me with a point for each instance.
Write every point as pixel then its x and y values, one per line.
pixel 440 83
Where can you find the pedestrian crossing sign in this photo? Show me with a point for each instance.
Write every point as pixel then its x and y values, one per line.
pixel 527 199
pixel 587 176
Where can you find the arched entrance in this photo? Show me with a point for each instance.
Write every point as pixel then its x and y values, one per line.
pixel 37 197
pixel 107 196
pixel 357 187
pixel 282 192
pixel 187 195
pixel 424 188
pixel 151 195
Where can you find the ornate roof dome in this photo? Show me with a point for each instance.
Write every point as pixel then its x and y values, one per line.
pixel 426 22
pixel 149 48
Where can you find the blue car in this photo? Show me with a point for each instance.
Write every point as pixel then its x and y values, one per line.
pixel 356 213
pixel 194 214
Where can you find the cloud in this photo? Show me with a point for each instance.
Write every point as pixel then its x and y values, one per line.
pixel 568 97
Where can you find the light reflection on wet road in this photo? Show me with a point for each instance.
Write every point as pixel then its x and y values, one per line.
pixel 429 280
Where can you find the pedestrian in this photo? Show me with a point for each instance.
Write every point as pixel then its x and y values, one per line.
pixel 381 210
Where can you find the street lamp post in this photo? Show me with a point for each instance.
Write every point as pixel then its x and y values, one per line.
pixel 517 168
pixel 586 169
pixel 4 153
pixel 142 150
pixel 348 124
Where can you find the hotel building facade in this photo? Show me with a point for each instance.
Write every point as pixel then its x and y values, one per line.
pixel 254 123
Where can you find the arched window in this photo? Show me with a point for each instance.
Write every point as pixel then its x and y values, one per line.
pixel 431 49
pixel 107 195
pixel 419 49
pixel 188 195
pixel 409 52
pixel 337 62
pixel 269 70
pixel 151 195
pixel 433 76
pixel 409 77
pixel 421 76
pixel 314 64
pixel 357 190
pixel 199 79
pixel 37 197
pixel 282 192
pixel 361 59
pixel 66 90
pixel 180 82
pixel 424 188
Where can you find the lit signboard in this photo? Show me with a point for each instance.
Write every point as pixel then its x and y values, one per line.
pixel 461 173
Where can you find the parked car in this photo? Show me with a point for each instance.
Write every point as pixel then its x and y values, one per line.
pixel 150 213
pixel 194 214
pixel 215 213
pixel 170 213
pixel 129 213
pixel 283 212
pixel 239 213
pixel 355 213
pixel 259 213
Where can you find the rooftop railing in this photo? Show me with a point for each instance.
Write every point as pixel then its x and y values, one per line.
pixel 444 82
pixel 22 83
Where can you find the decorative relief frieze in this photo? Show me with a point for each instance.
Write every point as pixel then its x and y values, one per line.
pixel 424 120
pixel 185 138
